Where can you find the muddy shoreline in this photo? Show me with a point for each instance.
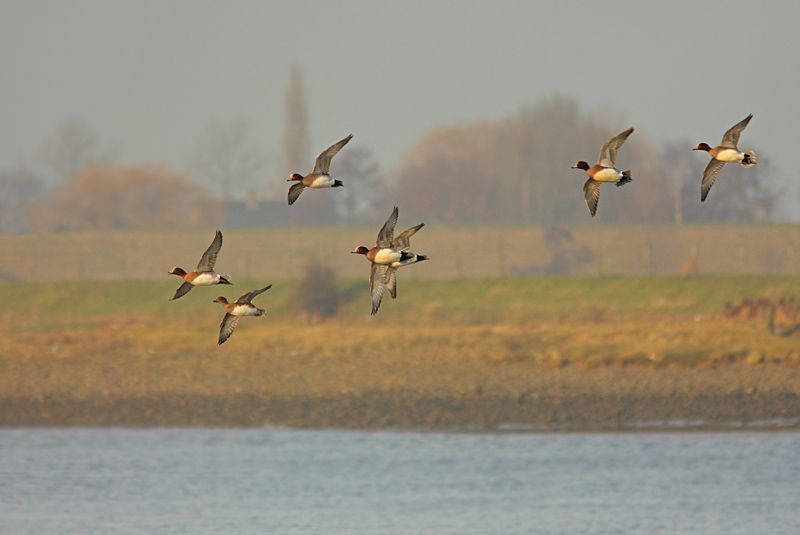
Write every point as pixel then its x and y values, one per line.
pixel 749 408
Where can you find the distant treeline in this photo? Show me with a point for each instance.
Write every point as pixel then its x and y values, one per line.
pixel 509 170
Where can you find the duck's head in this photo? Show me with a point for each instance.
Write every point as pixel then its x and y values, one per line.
pixel 221 300
pixel 177 271
pixel 294 177
pixel 702 146
pixel 360 250
pixel 580 164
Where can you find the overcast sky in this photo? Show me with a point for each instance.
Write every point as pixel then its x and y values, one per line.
pixel 151 75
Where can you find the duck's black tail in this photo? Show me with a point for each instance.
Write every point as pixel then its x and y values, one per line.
pixel 626 177
pixel 337 184
pixel 411 258
pixel 749 159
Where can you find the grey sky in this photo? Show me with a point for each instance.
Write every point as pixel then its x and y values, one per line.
pixel 150 76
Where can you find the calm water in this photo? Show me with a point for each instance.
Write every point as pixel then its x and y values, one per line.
pixel 281 481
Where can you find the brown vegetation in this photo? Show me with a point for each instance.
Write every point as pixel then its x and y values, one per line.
pixel 549 353
pixel 317 292
pixel 125 197
pixel 516 170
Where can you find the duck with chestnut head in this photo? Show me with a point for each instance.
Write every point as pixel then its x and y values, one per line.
pixel 604 170
pixel 389 254
pixel 233 311
pixel 726 152
pixel 204 274
pixel 320 177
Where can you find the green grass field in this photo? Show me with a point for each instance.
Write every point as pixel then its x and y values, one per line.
pixel 56 305
pixel 550 350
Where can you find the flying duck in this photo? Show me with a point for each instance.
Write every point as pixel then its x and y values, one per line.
pixel 604 170
pixel 319 177
pixel 237 309
pixel 725 152
pixel 204 275
pixel 387 257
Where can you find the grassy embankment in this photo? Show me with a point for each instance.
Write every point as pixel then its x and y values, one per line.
pixel 588 353
pixel 456 252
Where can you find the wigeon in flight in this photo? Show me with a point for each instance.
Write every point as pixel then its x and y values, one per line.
pixel 234 311
pixel 204 275
pixel 604 170
pixel 319 177
pixel 387 257
pixel 725 152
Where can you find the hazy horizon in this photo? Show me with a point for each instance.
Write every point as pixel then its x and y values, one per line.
pixel 150 77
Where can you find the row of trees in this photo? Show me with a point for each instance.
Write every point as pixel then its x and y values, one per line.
pixel 510 170
pixel 517 170
pixel 125 197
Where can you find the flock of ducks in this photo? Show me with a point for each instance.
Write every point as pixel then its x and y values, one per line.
pixel 390 253
pixel 605 169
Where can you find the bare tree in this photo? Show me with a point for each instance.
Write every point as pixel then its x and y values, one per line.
pixel 73 146
pixel 364 187
pixel 227 160
pixel 517 170
pixel 678 175
pixel 19 186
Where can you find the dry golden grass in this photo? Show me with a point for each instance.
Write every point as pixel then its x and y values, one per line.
pixel 126 338
pixel 445 353
pixel 455 252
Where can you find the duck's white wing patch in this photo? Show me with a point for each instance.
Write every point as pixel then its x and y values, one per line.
pixel 227 327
